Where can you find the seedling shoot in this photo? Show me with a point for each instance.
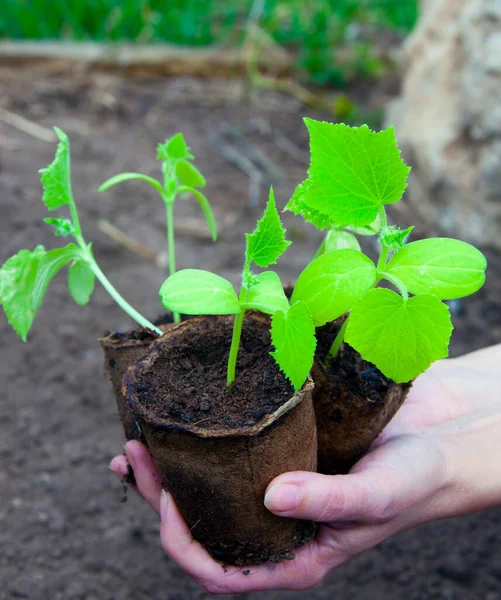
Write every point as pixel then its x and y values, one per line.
pixel 180 178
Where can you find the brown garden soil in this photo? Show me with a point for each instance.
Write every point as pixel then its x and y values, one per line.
pixel 64 535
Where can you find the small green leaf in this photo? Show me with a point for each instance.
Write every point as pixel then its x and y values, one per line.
pixel 371 229
pixel 127 177
pixel 174 148
pixel 354 171
pixel 341 240
pixel 81 280
pixel 267 294
pixel 189 175
pixel 401 337
pixel 293 335
pixel 267 242
pixel 333 282
pixel 51 263
pixel 56 177
pixel 298 206
pixel 206 208
pixel 17 280
pixel 64 227
pixel 196 292
pixel 444 267
pixel 393 237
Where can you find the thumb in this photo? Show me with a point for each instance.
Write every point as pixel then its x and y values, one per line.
pixel 327 498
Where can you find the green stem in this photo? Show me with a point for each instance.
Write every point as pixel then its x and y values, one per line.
pixel 132 312
pixel 320 250
pixel 336 344
pixel 383 257
pixel 105 282
pixel 171 248
pixel 398 283
pixel 235 341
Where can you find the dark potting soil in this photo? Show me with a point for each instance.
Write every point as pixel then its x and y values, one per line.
pixel 191 385
pixel 362 377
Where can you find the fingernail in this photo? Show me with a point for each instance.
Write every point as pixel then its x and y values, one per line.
pixel 163 505
pixel 130 456
pixel 283 497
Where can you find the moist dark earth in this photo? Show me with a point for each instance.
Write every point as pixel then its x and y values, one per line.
pixel 64 533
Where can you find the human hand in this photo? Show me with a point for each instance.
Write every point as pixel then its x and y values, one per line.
pixel 424 466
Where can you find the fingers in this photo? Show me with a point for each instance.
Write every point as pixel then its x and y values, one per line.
pixel 145 472
pixel 389 480
pixel 309 567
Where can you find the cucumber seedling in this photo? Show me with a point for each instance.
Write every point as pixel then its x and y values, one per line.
pixel 25 277
pixel 194 292
pixel 354 173
pixel 180 179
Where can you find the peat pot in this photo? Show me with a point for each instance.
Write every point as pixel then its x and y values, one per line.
pixel 217 449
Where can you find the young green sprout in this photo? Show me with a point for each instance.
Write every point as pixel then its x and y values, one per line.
pixel 195 292
pixel 25 277
pixel 180 177
pixel 354 173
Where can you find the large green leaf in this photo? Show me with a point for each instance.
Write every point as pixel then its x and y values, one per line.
pixel 267 242
pixel 298 205
pixel 401 337
pixel 444 267
pixel 196 292
pixel 354 171
pixel 333 282
pixel 17 280
pixel 267 295
pixel 56 177
pixel 293 335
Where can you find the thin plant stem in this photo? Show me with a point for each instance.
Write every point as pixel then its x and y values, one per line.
pixel 235 341
pixel 124 305
pixel 336 344
pixel 398 283
pixel 171 248
pixel 383 257
pixel 320 251
pixel 105 282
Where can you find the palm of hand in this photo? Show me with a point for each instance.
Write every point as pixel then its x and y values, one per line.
pixel 388 490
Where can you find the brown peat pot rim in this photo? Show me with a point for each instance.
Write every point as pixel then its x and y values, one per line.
pixel 141 411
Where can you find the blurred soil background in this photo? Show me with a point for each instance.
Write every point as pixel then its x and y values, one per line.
pixel 64 532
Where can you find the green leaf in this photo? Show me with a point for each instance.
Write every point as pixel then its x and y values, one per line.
pixel 51 263
pixel 293 335
pixel 196 292
pixel 333 282
pixel 267 242
pixel 205 206
pixel 174 148
pixel 298 206
pixel 393 238
pixel 444 267
pixel 17 280
pixel 189 175
pixel 56 177
pixel 64 227
pixel 127 177
pixel 401 337
pixel 267 294
pixel 81 280
pixel 354 171
pixel 371 229
pixel 341 240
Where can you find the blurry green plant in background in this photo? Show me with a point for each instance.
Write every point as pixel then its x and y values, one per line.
pixel 316 30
